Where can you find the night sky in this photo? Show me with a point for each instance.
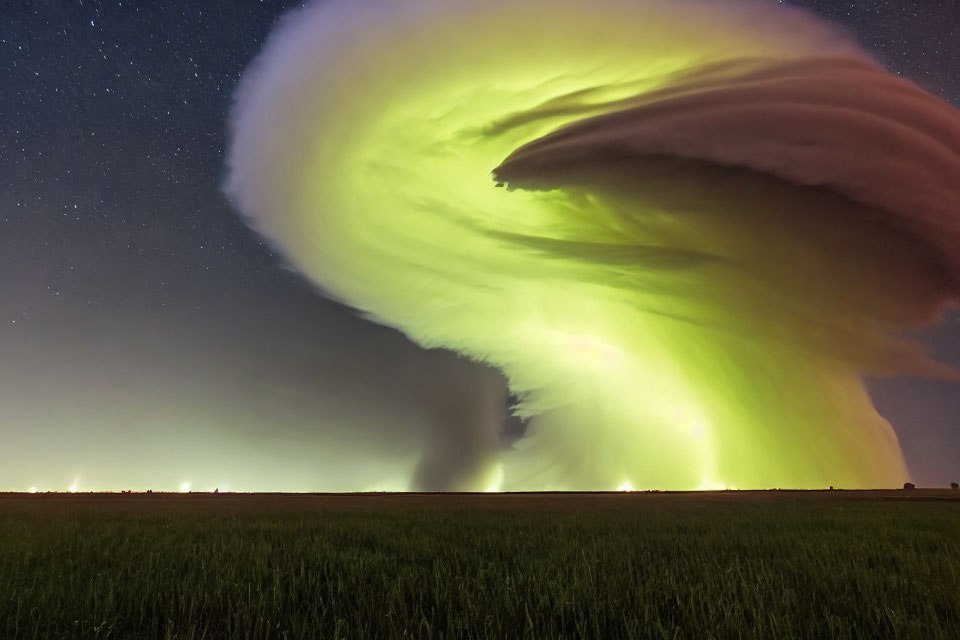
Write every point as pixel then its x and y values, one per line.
pixel 150 339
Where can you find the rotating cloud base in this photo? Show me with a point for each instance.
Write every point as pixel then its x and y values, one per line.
pixel 683 231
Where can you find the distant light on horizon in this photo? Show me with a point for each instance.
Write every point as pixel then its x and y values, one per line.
pixel 185 487
pixel 496 481
pixel 708 485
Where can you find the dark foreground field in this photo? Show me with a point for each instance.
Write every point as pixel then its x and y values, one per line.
pixel 725 565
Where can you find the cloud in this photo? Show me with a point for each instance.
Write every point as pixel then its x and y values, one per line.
pixel 683 231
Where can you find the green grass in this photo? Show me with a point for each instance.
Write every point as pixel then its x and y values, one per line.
pixel 730 565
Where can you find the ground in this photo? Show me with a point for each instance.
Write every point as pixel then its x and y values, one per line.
pixel 770 564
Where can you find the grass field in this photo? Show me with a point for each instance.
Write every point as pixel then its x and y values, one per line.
pixel 724 565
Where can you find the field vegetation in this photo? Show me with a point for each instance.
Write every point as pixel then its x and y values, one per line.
pixel 725 565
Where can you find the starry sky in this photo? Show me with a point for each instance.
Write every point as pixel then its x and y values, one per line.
pixel 149 339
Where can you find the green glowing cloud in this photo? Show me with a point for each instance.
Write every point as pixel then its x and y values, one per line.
pixel 682 230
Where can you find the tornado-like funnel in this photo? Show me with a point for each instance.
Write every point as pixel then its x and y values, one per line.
pixel 684 231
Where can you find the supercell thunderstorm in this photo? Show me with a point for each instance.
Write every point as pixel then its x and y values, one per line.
pixel 684 231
